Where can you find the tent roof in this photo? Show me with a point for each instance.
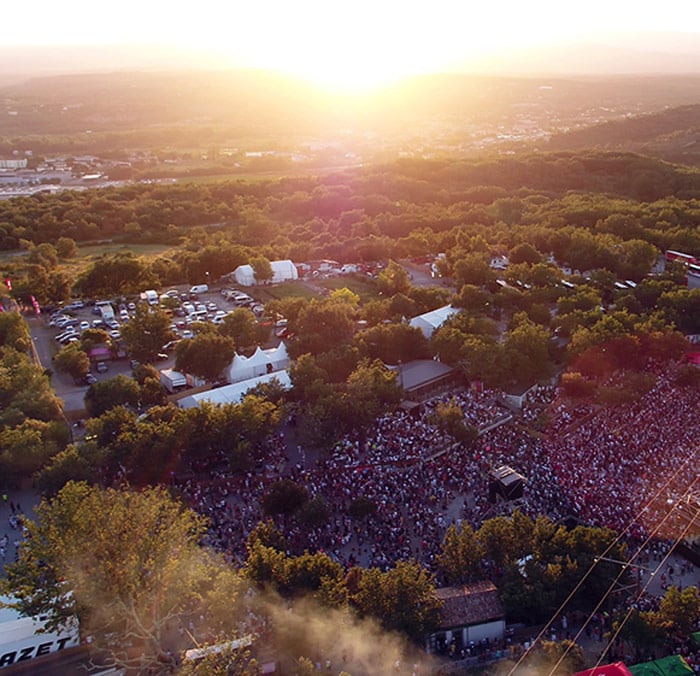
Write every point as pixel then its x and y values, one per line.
pixel 282 266
pixel 172 373
pixel 673 665
pixel 248 269
pixel 434 318
pixel 616 669
pixel 420 372
pixel 234 394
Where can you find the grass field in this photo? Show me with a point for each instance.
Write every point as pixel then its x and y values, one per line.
pixel 111 248
pixel 366 289
pixel 295 289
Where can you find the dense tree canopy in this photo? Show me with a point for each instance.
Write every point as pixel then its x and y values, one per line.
pixel 126 579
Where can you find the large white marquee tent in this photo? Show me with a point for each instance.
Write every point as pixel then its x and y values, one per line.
pixel 282 271
pixel 258 364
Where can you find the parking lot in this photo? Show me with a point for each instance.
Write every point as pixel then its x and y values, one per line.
pixel 73 394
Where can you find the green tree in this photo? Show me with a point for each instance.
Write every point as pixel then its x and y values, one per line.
pixel 27 448
pixel 393 279
pixel 70 464
pixel 262 269
pixel 371 390
pixel 393 343
pixel 118 391
pixel 146 332
pixel 449 418
pixel 402 599
pixel 128 580
pixel 122 273
pixel 527 352
pixel 284 497
pixel 680 610
pixel 473 269
pixel 473 298
pixel 205 356
pixel 25 390
pixel 307 572
pixel 323 325
pixel 65 247
pixel 241 325
pixel 14 332
pixel 524 253
pixel 460 555
pixel 268 535
pixel 72 360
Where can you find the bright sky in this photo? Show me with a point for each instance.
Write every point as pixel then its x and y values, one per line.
pixel 354 42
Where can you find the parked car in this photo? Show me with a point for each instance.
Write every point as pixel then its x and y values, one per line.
pixel 101 367
pixel 70 331
pixel 84 325
pixel 57 320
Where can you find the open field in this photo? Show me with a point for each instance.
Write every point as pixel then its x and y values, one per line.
pixel 366 289
pixel 111 248
pixel 295 289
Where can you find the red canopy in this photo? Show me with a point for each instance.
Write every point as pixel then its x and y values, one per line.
pixel 616 669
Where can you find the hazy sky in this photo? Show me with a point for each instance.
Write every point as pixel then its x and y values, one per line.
pixel 338 39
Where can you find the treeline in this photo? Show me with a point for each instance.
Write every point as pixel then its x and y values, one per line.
pixel 348 215
pixel 32 430
pixel 619 133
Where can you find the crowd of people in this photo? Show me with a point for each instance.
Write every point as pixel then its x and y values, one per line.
pixel 593 465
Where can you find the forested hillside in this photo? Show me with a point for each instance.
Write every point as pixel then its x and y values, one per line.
pixel 408 208
pixel 672 135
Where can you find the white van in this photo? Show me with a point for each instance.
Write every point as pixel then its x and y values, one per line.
pixel 197 316
pixel 199 288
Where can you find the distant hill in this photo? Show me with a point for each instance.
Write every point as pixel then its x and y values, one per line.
pixel 672 135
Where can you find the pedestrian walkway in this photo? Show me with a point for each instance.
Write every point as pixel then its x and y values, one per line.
pixel 15 506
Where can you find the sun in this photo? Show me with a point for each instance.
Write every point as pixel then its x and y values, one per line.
pixel 343 47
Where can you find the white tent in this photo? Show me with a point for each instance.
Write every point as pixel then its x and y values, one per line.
pixel 259 363
pixel 430 321
pixel 282 271
pixel 244 274
pixel 235 393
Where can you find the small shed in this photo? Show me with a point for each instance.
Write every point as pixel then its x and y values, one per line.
pixel 470 614
pixel 421 379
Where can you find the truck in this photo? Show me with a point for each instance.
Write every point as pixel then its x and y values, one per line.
pixel 25 638
pixel 150 296
pixel 105 308
pixel 172 380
